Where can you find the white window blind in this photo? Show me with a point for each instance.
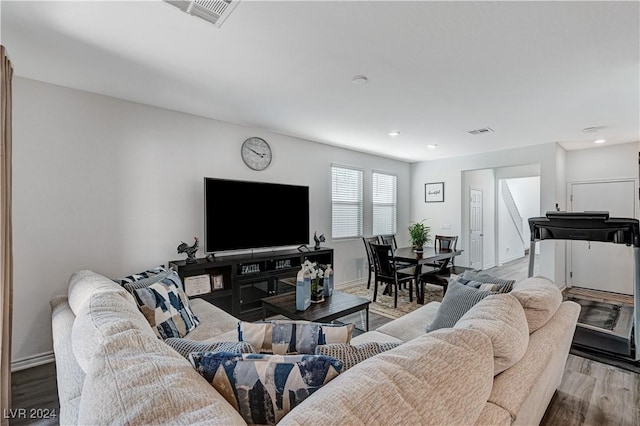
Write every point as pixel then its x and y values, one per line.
pixel 384 204
pixel 346 202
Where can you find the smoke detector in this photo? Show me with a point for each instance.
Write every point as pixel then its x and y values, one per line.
pixel 214 11
pixel 480 131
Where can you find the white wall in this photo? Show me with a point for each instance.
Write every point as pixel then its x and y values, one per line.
pixel 603 163
pixel 450 171
pixel 113 186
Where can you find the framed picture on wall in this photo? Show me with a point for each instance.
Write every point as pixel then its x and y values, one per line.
pixel 434 192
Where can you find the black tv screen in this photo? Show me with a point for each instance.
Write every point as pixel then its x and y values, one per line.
pixel 244 215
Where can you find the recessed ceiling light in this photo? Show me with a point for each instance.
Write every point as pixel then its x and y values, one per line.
pixel 360 79
pixel 394 133
pixel 432 146
pixel 599 141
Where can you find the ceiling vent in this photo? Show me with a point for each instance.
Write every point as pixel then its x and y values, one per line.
pixel 214 11
pixel 480 131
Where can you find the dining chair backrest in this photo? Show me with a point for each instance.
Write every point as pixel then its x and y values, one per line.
pixel 384 260
pixel 388 239
pixel 367 248
pixel 445 242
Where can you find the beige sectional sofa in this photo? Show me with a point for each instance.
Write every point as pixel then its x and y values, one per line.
pixel 112 369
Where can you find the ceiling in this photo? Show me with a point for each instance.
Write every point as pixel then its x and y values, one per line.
pixel 535 72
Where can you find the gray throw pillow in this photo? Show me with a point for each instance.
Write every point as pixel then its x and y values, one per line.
pixel 458 299
pixel 351 355
pixel 150 273
pixel 501 285
pixel 185 346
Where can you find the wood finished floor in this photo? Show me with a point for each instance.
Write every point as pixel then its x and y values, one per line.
pixel 591 393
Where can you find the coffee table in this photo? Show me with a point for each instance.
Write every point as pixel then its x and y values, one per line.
pixel 334 307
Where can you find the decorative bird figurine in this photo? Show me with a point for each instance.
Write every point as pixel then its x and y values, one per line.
pixel 190 251
pixel 318 240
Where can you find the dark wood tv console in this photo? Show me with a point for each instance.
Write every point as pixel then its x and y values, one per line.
pixel 247 278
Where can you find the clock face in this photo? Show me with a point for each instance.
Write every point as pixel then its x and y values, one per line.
pixel 256 153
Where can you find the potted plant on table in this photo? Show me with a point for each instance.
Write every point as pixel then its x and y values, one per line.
pixel 419 233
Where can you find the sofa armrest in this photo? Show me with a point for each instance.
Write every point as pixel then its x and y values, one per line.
pixel 526 389
pixel 68 372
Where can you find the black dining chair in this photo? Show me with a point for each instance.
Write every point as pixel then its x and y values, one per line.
pixel 444 242
pixel 389 240
pixel 367 248
pixel 387 272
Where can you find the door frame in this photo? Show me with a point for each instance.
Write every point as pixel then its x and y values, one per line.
pixel 569 201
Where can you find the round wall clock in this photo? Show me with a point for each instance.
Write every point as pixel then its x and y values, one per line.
pixel 256 153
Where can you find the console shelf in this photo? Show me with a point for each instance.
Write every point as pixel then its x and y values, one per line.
pixel 246 279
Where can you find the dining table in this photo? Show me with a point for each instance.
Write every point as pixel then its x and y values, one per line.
pixel 408 255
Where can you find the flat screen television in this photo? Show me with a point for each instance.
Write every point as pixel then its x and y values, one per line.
pixel 244 215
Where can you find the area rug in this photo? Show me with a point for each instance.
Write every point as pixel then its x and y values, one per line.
pixel 598 314
pixel 384 304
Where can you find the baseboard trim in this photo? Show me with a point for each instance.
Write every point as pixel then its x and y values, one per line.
pixel 33 361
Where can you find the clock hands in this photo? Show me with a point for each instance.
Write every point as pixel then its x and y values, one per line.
pixel 256 152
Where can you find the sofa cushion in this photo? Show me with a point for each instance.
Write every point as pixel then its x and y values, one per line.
pixel 374 336
pixel 185 346
pixel 165 305
pixel 426 380
pixel 502 319
pixel 291 337
pixel 84 284
pixel 540 299
pixel 213 321
pixel 458 299
pixel 351 355
pixel 413 324
pixel 104 314
pixel 263 388
pixel 135 379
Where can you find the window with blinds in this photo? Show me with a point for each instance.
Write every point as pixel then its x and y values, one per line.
pixel 384 204
pixel 346 202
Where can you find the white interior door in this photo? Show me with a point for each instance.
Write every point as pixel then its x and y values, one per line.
pixel 475 228
pixel 602 266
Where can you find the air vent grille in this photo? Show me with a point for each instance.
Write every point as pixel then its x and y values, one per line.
pixel 480 131
pixel 214 11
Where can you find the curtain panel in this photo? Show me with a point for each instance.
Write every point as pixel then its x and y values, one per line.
pixel 6 237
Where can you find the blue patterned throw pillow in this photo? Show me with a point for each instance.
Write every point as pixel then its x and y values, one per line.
pixel 292 337
pixel 264 388
pixel 165 305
